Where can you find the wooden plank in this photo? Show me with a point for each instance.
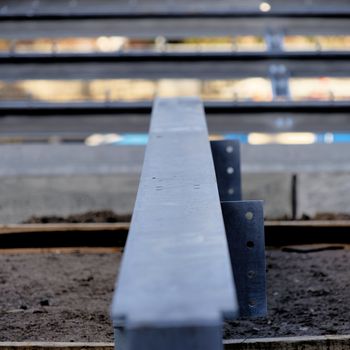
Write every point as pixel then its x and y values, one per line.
pixel 62 250
pixel 326 342
pixel 277 234
pixel 64 227
pixel 55 346
pixel 308 223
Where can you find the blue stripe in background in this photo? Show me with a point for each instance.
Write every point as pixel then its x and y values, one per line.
pixel 341 138
pixel 132 140
pixel 242 138
pixel 142 139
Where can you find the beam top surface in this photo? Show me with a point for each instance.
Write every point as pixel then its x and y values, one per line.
pixel 176 268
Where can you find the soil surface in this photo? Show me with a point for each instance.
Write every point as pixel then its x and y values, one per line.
pixel 66 297
pixel 101 216
pixel 88 217
pixel 327 216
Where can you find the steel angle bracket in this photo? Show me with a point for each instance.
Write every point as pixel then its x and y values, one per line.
pixel 244 224
pixel 226 156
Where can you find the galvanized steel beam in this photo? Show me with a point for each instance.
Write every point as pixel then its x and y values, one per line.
pixel 143 108
pixel 187 67
pixel 120 56
pixel 176 283
pixel 244 223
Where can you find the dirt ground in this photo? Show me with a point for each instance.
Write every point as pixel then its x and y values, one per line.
pixel 66 297
pixel 110 216
pixel 88 217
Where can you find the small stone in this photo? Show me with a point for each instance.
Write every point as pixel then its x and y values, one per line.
pixel 38 311
pixel 14 311
pixel 44 302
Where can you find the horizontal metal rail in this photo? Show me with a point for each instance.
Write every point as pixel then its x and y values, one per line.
pixel 158 6
pixel 163 56
pixel 68 129
pixel 176 259
pixel 143 108
pixel 166 14
pixel 170 9
pixel 173 27
pixel 25 122
pixel 157 68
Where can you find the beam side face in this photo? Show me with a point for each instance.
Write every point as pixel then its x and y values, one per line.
pixel 165 70
pixel 176 267
pixel 171 28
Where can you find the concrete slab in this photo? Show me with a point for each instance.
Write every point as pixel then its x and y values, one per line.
pixel 68 159
pixel 24 196
pixel 323 192
pixel 63 179
pixel 312 158
pixel 274 189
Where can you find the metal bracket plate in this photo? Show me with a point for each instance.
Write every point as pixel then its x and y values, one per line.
pixel 226 156
pixel 244 223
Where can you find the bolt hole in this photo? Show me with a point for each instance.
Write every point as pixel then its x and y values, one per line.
pixel 230 170
pixel 249 215
pixel 252 303
pixel 250 244
pixel 251 274
pixel 229 149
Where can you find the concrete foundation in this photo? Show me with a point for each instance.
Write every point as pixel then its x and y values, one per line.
pixel 68 179
pixel 323 192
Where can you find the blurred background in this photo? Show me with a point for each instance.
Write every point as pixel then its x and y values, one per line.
pixel 78 77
